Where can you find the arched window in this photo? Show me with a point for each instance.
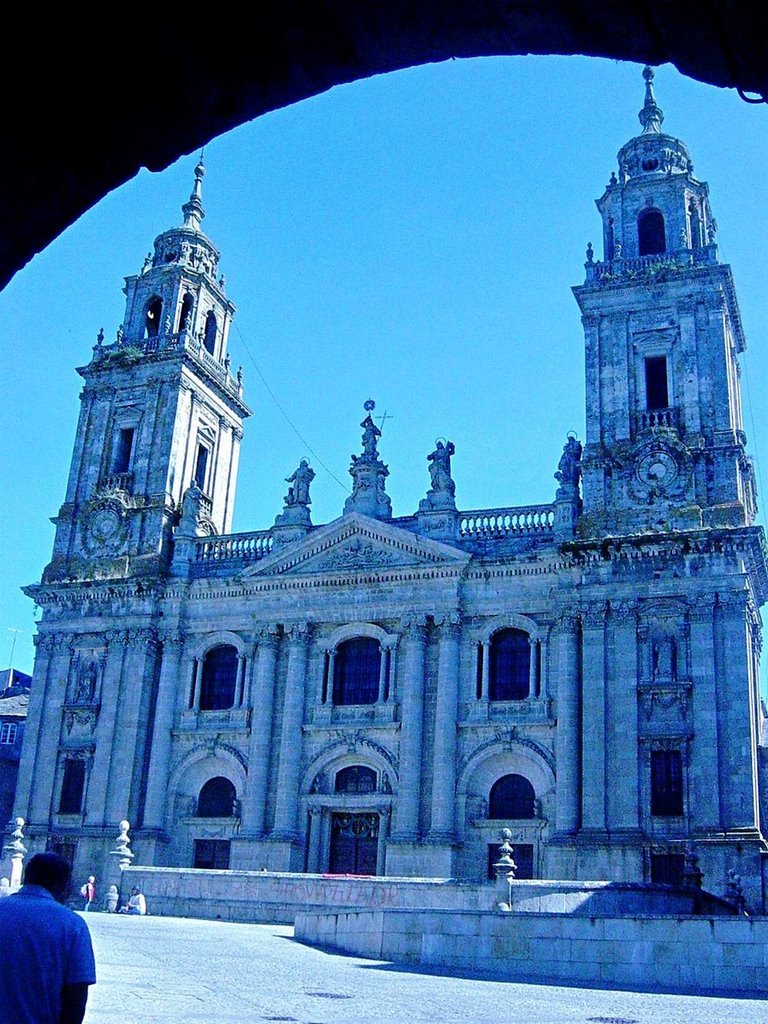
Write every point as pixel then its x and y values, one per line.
pixel 219 679
pixel 356 779
pixel 512 796
pixel 509 665
pixel 209 337
pixel 651 237
pixel 217 799
pixel 152 318
pixel 356 670
pixel 185 312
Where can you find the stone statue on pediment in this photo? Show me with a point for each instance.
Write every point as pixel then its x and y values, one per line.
pixel 441 495
pixel 300 479
pixel 569 467
pixel 369 474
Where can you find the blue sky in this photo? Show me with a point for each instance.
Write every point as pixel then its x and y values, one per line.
pixel 412 238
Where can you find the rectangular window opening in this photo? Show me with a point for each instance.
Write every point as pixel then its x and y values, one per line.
pixel 123 450
pixel 666 783
pixel 656 383
pixel 72 787
pixel 201 466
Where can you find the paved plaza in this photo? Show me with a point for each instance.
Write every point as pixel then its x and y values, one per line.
pixel 183 971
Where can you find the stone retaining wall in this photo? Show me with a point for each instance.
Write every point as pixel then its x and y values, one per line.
pixel 276 897
pixel 684 954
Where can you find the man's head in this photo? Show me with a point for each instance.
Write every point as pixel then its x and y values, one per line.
pixel 91 879
pixel 50 871
pixel 134 891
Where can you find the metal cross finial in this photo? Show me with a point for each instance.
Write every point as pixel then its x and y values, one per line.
pixel 384 419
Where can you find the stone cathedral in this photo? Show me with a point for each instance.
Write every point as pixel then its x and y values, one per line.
pixel 381 694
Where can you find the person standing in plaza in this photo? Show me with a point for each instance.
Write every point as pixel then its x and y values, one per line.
pixel 88 892
pixel 46 980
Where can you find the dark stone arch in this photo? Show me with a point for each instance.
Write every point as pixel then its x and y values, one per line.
pixel 62 165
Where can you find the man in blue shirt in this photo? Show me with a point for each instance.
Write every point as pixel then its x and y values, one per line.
pixel 47 981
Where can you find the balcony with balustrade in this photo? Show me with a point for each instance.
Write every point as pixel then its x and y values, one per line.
pixel 126 350
pixel 658 266
pixel 486 532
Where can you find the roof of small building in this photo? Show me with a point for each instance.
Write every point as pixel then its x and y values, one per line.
pixel 15 706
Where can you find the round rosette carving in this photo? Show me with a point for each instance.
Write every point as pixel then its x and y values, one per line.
pixel 105 526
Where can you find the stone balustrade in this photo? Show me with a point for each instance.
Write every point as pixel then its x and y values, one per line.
pixel 233 547
pixel 181 341
pixel 117 482
pixel 658 419
pixel 639 266
pixel 500 523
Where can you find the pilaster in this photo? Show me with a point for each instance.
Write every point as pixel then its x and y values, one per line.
pixel 160 755
pixel 568 725
pixel 411 731
pixel 286 808
pixel 444 770
pixel 260 741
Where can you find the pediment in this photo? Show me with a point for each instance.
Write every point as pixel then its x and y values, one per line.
pixel 356 543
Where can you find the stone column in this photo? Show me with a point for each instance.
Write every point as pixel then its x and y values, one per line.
pixel 382 674
pixel 197 682
pixel 160 754
pixel 242 664
pixel 328 694
pixel 286 808
pixel 260 742
pixel 544 675
pixel 568 725
pixel 593 718
pixel 313 840
pixel 622 751
pixel 738 753
pixel 533 669
pixel 444 771
pixel 411 731
pixel 117 641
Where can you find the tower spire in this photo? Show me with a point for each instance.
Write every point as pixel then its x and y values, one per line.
pixel 651 116
pixel 193 210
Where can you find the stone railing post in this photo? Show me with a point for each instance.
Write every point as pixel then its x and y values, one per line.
pixel 122 855
pixel 16 850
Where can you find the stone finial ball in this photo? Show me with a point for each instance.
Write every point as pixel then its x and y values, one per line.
pixel 124 825
pixel 19 822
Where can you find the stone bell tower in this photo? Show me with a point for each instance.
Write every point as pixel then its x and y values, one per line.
pixel 160 411
pixel 665 448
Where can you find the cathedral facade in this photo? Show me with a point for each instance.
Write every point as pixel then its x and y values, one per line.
pixel 379 694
